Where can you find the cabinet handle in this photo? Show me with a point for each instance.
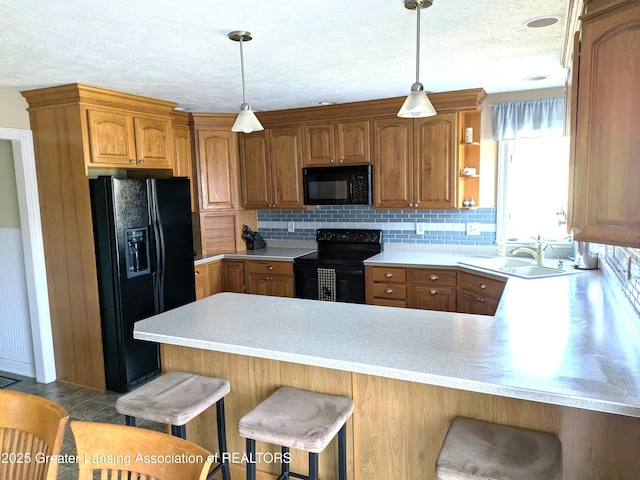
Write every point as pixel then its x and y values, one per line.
pixel 433 292
pixel 388 274
pixel 197 273
pixel 482 285
pixel 577 231
pixel 141 162
pixel 389 290
pixel 480 299
pixel 131 160
pixel 233 206
pixel 411 204
pixel 341 160
pixel 433 277
pixel 332 161
pixel 269 267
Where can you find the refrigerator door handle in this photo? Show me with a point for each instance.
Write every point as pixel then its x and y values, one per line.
pixel 160 247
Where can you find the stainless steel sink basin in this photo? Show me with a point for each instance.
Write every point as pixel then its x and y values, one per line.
pixel 518 267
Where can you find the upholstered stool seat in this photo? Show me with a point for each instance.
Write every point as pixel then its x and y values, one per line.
pixel 474 449
pixel 175 398
pixel 302 420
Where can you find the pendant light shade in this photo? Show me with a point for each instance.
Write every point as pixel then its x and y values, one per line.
pixel 247 121
pixel 417 104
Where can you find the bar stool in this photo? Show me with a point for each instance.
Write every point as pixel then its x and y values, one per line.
pixel 175 398
pixel 298 419
pixel 481 450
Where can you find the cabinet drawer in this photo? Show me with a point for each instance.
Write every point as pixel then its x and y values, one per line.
pixel 387 302
pixel 425 276
pixel 389 274
pixel 390 290
pixel 273 268
pixel 485 286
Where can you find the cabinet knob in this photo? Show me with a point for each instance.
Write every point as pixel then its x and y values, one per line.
pixel 131 160
pixel 341 160
pixel 576 230
pixel 196 273
pixel 141 162
pixel 389 290
pixel 433 292
pixel 411 204
pixel 433 277
pixel 480 299
pixel 269 267
pixel 233 206
pixel 332 161
pixel 482 285
pixel 388 274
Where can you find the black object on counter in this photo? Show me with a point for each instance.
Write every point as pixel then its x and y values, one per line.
pixel 253 239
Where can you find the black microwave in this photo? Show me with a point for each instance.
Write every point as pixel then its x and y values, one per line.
pixel 340 185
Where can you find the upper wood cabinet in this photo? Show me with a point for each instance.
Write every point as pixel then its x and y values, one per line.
pixel 271 168
pixel 336 143
pixel 183 162
pixel 122 139
pixel 415 162
pixel 606 197
pixel 217 168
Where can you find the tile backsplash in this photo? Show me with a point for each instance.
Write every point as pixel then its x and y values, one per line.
pixel 624 264
pixel 398 226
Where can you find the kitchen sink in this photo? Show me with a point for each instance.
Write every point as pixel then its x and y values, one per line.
pixel 518 267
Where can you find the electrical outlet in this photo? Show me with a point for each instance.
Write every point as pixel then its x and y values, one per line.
pixel 473 229
pixel 291 227
pixel 420 228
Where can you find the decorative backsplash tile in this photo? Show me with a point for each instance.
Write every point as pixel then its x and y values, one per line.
pixel 625 264
pixel 398 226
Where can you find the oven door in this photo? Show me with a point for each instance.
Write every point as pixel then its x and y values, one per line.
pixel 349 284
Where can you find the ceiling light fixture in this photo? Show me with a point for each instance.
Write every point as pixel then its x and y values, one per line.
pixel 247 121
pixel 417 103
pixel 541 22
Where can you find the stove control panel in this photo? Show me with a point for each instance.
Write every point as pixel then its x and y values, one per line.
pixel 337 235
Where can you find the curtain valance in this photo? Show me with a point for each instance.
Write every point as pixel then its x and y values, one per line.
pixel 528 119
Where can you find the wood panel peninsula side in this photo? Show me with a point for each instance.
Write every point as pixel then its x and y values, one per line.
pixel 410 372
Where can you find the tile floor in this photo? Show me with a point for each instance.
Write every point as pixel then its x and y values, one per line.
pixel 82 404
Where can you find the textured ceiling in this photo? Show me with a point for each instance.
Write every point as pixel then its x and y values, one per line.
pixel 302 53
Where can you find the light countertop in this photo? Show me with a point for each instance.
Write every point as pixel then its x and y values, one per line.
pixel 560 340
pixel 274 254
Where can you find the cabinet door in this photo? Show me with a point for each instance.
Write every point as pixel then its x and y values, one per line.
pixel 202 282
pixel 154 146
pixel 281 286
pixel 285 156
pixel 111 138
pixel 255 174
pixel 214 270
pixel 433 298
pixel 258 284
pixel 606 203
pixel 434 167
pixel 319 144
pixel 469 302
pixel 353 140
pixel 183 161
pixel 392 160
pixel 233 276
pixel 218 170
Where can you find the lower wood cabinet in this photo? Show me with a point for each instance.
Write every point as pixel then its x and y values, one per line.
pixel 442 289
pixel 202 281
pixel 233 276
pixel 479 294
pixel 269 278
pixel 433 289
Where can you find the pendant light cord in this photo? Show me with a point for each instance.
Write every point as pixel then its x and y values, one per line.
pixel 244 94
pixel 418 8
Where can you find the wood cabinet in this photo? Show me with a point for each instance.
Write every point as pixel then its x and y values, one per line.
pixel 183 160
pixel 469 157
pixel 415 162
pixel 233 276
pixel 606 197
pixel 479 294
pixel 217 151
pixel 122 139
pixel 335 143
pixel 269 278
pixel 271 168
pixel 386 286
pixel 202 281
pixel 433 289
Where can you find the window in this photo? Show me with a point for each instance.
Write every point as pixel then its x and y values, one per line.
pixel 533 182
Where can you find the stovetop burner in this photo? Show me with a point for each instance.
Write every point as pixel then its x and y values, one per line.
pixel 343 246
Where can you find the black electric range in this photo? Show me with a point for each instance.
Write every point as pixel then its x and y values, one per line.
pixel 335 272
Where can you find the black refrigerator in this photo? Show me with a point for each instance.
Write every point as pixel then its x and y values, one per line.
pixel 144 253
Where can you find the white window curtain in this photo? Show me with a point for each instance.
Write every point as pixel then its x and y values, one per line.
pixel 528 119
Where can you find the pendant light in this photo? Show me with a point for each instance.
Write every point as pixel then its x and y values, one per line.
pixel 247 121
pixel 417 103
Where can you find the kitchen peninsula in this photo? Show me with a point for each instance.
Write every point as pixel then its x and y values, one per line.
pixel 542 362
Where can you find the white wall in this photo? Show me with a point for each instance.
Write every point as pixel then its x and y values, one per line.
pixel 489 148
pixel 13 113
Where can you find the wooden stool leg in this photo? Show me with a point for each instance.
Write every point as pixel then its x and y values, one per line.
pixel 313 466
pixel 251 466
pixel 222 439
pixel 342 453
